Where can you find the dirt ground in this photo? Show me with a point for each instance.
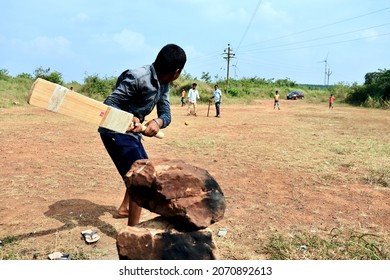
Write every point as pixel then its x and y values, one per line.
pixel 298 169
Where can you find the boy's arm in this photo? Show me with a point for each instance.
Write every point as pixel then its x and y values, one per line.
pixel 164 117
pixel 164 110
pixel 124 91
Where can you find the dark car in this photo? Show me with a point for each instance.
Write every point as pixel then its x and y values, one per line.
pixel 295 95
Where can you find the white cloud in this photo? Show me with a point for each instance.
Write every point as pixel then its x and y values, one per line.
pixel 370 35
pixel 42 45
pixel 269 13
pixel 128 40
pixel 239 12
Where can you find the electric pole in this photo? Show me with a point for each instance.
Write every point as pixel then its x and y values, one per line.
pixel 229 55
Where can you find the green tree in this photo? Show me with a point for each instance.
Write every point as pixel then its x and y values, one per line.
pixel 54 77
pixel 206 77
pixel 4 74
pixel 25 76
pixel 375 91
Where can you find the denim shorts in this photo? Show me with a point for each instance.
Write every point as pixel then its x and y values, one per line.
pixel 124 150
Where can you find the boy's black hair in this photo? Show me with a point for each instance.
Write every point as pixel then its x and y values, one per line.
pixel 170 58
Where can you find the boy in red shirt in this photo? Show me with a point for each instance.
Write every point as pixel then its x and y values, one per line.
pixel 331 101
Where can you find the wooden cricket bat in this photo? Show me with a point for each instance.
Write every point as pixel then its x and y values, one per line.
pixel 59 99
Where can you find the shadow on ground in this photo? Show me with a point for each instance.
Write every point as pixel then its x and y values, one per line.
pixel 76 213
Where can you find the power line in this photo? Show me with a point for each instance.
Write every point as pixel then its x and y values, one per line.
pixel 317 39
pixel 328 44
pixel 326 25
pixel 213 57
pixel 248 26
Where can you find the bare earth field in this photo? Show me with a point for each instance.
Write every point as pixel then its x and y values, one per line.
pixel 303 169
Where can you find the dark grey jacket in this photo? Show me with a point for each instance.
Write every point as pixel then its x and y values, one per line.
pixel 138 92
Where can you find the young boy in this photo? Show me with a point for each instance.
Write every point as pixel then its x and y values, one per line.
pixel 183 97
pixel 138 91
pixel 331 101
pixel 276 100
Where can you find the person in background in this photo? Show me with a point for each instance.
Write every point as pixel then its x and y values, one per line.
pixel 183 97
pixel 193 95
pixel 217 95
pixel 276 100
pixel 331 101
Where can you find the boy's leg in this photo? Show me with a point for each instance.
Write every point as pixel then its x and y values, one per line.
pixel 130 209
pixel 123 210
pixel 124 150
pixel 134 213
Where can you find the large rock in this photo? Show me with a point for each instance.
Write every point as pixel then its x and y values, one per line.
pixel 156 240
pixel 186 195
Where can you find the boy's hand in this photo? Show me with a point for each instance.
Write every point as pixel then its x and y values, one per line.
pixel 152 127
pixel 136 126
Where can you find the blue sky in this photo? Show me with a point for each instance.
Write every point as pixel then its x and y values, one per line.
pixel 271 39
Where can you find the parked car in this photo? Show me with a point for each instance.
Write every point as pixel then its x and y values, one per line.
pixel 295 95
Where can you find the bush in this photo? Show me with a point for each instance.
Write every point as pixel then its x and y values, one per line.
pixel 233 92
pixel 374 93
pixel 4 74
pixel 98 88
pixel 25 76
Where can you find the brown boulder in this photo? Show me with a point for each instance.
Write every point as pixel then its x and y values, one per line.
pixel 186 195
pixel 156 240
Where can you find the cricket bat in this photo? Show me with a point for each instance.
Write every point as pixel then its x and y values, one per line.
pixel 59 99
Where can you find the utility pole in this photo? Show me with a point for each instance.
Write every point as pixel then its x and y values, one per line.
pixel 229 55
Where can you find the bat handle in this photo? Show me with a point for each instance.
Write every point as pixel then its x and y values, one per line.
pixel 159 135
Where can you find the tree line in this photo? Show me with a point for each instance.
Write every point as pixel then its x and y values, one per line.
pixel 374 93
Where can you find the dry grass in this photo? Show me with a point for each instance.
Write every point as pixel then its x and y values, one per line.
pixel 336 245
